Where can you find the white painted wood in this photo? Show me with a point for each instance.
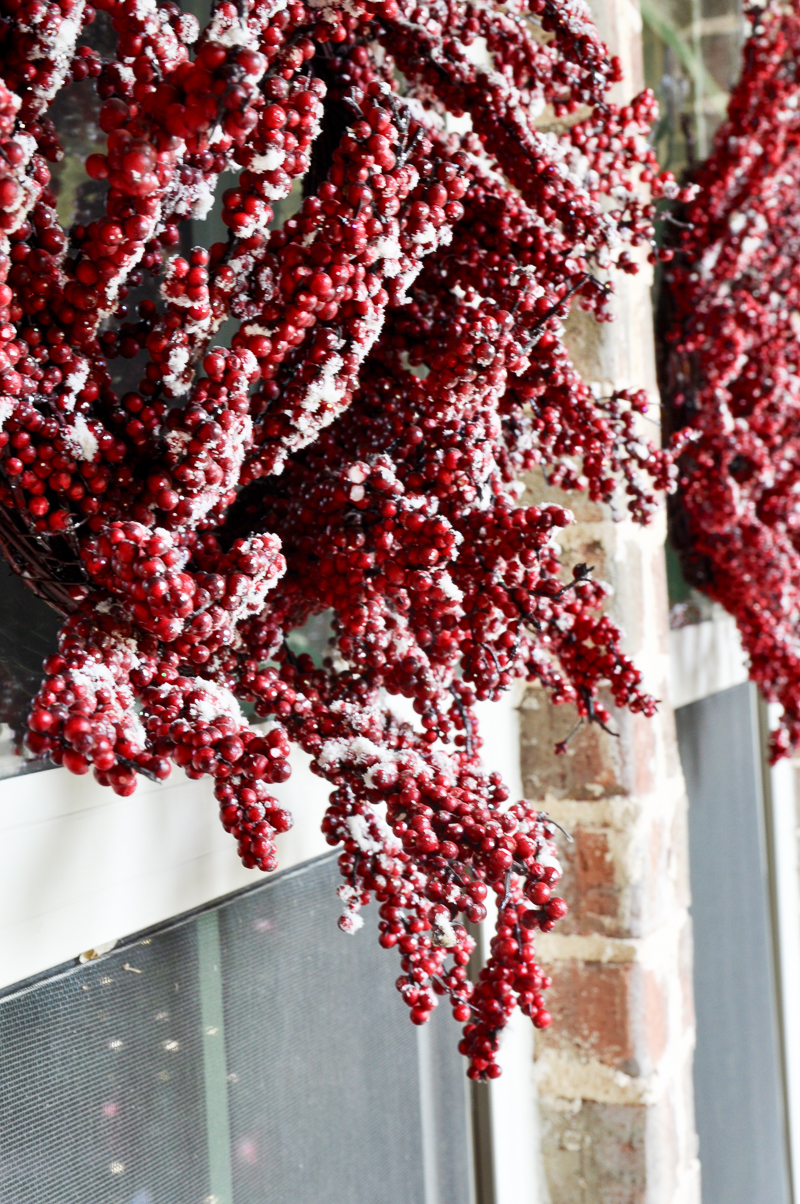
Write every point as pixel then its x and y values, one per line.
pixel 516 1142
pixel 783 805
pixel 516 1147
pixel 705 658
pixel 81 867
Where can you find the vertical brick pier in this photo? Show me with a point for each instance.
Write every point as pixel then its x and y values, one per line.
pixel 614 1072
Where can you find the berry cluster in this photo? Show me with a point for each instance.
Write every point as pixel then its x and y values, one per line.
pixel 396 362
pixel 730 326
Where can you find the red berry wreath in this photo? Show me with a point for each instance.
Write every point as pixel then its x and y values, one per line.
pixel 396 364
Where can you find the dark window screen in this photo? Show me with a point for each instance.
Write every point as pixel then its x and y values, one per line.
pixel 28 631
pixel 248 1054
pixel 737 1073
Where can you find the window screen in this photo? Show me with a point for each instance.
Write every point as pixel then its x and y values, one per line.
pixel 28 631
pixel 738 1088
pixel 248 1054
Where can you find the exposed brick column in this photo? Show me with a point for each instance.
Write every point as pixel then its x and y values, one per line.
pixel 614 1071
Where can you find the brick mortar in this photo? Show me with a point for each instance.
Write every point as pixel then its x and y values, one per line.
pixel 650 951
pixel 560 1076
pixel 616 811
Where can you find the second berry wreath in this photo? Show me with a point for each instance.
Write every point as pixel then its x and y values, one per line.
pixel 730 343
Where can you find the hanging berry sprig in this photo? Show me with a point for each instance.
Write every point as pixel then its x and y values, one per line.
pixel 395 363
pixel 730 332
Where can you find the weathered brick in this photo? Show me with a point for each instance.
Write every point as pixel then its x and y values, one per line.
pixel 653 1018
pixel 592 766
pixel 597 899
pixel 590 1004
pixel 595 1154
pixel 537 490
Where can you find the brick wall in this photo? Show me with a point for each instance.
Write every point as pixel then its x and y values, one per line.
pixel 614 1071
